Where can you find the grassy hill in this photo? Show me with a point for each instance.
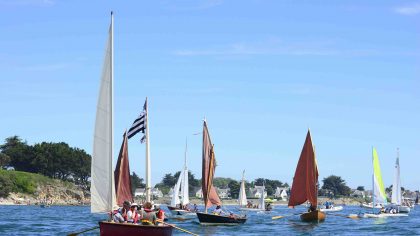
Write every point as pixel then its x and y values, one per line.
pixel 35 187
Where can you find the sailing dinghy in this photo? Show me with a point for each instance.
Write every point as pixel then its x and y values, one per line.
pixel 396 198
pixel 378 190
pixel 305 182
pixel 178 206
pixel 103 196
pixel 243 201
pixel 210 196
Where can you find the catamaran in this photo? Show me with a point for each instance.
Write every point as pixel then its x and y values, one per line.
pixel 178 206
pixel 378 190
pixel 210 196
pixel 103 196
pixel 396 188
pixel 305 181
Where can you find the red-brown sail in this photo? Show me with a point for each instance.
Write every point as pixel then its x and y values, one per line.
pixel 209 166
pixel 122 174
pixel 305 182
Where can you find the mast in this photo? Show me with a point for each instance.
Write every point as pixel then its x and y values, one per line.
pixel 111 147
pixel 148 171
pixel 373 182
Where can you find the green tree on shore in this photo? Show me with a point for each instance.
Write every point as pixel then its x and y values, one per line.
pixel 335 186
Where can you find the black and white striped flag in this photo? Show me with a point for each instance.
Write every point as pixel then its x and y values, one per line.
pixel 139 124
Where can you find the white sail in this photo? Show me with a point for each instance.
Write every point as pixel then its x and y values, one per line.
pixel 175 196
pixel 102 175
pixel 185 199
pixel 184 188
pixel 242 193
pixel 261 205
pixel 396 186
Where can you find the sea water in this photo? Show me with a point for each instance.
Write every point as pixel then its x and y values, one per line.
pixel 62 220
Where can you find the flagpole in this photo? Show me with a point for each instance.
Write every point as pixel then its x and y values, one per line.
pixel 148 170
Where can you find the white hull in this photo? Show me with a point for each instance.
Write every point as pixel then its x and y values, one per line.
pixel 370 206
pixel 250 209
pixel 383 215
pixel 337 208
pixel 404 209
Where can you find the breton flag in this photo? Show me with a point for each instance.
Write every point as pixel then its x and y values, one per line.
pixel 139 124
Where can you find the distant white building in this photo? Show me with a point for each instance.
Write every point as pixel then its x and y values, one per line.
pixel 223 192
pixel 257 191
pixel 141 192
pixel 358 193
pixel 281 193
pixel 199 193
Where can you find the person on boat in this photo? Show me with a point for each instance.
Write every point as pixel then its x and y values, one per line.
pixel 312 208
pixel 195 209
pixel 132 214
pixel 218 211
pixel 249 204
pixel 147 215
pixel 125 211
pixel 116 215
pixel 160 214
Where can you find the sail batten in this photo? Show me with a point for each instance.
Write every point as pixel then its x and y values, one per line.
pixel 102 178
pixel 305 180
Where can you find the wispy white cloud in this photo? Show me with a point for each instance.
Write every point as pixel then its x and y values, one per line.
pixel 275 46
pixel 24 3
pixel 193 5
pixel 268 47
pixel 46 67
pixel 413 9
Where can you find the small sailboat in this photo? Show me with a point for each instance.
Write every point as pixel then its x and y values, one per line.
pixel 103 192
pixel 210 196
pixel 396 198
pixel 305 180
pixel 378 189
pixel 178 206
pixel 243 201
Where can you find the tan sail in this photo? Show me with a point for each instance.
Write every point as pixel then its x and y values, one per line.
pixel 122 175
pixel 209 166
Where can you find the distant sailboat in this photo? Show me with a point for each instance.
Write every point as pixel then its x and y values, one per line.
pixel 305 181
pixel 242 200
pixel 396 188
pixel 181 188
pixel 378 189
pixel 210 196
pixel 103 196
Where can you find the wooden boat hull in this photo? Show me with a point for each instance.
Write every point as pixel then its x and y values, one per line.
pixel 313 216
pixel 116 229
pixel 211 219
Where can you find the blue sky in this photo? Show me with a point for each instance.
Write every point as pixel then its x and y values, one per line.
pixel 261 72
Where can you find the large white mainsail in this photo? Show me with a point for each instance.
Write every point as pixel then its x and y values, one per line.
pixel 242 200
pixel 102 175
pixel 396 187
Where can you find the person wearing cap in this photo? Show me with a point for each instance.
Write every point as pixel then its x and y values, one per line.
pixel 116 215
pixel 132 215
pixel 147 215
